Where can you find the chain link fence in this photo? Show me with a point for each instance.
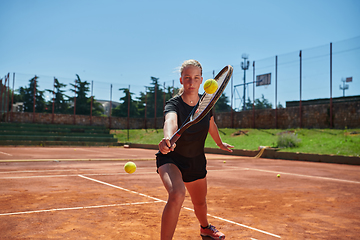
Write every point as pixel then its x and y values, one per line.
pixel 307 76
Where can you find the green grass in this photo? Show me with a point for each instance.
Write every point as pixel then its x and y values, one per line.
pixel 317 141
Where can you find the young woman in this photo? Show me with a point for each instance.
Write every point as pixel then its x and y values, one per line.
pixel 183 165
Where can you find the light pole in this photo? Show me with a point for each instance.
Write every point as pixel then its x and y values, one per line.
pixel 244 66
pixel 344 86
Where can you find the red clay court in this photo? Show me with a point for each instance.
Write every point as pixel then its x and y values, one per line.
pixel 84 193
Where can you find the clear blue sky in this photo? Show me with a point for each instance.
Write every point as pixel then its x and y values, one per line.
pixel 126 42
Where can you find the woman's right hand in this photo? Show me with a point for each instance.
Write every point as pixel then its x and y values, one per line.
pixel 164 146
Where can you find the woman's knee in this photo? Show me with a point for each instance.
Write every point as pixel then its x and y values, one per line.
pixel 199 202
pixel 177 195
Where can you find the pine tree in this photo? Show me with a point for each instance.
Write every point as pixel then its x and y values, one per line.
pixel 28 97
pixel 122 109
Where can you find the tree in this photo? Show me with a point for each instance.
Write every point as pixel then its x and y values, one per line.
pixel 83 102
pixel 222 104
pixel 248 104
pixel 263 103
pixel 60 104
pixel 28 97
pixel 148 98
pixel 122 109
pixel 259 103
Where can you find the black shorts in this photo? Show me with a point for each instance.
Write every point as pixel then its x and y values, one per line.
pixel 192 168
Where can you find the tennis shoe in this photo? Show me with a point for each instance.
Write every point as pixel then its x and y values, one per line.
pixel 212 232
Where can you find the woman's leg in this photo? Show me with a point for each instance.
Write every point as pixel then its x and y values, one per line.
pixel 198 191
pixel 172 180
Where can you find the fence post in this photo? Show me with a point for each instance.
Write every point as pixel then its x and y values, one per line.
pixel 53 103
pixel 7 99
pixel 331 103
pixel 4 92
pixel 12 99
pixel 164 102
pixel 155 106
pixel 1 97
pixel 253 94
pixel 173 89
pixel 110 106
pixel 276 113
pixel 75 102
pixel 34 98
pixel 300 107
pixel 232 99
pixel 128 118
pixel 91 103
pixel 145 106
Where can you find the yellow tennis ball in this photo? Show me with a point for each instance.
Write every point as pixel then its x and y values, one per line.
pixel 210 86
pixel 278 175
pixel 130 167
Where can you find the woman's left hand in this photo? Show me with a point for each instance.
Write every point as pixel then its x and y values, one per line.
pixel 225 147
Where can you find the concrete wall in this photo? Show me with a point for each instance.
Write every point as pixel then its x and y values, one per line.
pixel 313 116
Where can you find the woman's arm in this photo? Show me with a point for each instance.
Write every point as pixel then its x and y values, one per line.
pixel 214 132
pixel 170 127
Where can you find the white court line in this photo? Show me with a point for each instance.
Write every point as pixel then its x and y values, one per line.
pixel 73 175
pixel 6 153
pixel 75 208
pixel 295 174
pixel 229 168
pixel 76 159
pixel 67 170
pixel 157 199
pixel 49 170
pixel 124 189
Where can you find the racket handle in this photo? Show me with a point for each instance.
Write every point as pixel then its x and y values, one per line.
pixel 174 138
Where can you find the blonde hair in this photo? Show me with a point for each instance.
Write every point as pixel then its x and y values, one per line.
pixel 186 63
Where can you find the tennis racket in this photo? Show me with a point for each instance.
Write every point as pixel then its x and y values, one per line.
pixel 205 104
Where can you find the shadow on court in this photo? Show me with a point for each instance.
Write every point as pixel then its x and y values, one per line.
pixel 206 238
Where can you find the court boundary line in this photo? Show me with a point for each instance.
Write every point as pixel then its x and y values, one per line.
pixel 295 174
pixel 76 159
pixel 76 208
pixel 5 153
pixel 230 157
pixel 71 175
pixel 190 209
pixel 209 170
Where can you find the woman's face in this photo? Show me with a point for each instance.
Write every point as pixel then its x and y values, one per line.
pixel 191 79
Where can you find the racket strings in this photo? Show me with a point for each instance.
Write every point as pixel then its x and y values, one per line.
pixel 207 98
